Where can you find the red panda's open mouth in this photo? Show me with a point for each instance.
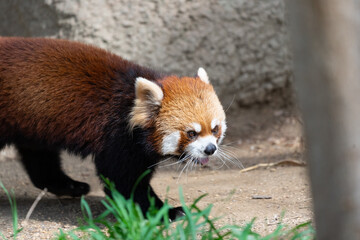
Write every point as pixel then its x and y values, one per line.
pixel 203 161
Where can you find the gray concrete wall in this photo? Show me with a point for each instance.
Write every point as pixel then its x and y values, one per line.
pixel 241 43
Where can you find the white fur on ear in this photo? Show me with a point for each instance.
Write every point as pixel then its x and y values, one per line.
pixel 148 91
pixel 148 97
pixel 203 75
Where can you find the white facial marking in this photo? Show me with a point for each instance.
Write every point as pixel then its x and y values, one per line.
pixel 203 75
pixel 196 127
pixel 196 149
pixel 170 143
pixel 223 130
pixel 214 122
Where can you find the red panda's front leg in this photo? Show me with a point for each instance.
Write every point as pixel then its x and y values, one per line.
pixel 144 190
pixel 124 166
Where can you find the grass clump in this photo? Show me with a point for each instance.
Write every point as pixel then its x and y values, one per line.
pixel 129 223
pixel 123 219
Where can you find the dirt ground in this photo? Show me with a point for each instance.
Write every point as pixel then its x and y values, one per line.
pixel 256 135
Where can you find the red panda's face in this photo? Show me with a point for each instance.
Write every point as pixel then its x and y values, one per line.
pixel 187 115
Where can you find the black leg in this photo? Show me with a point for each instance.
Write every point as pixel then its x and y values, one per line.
pixel 142 194
pixel 44 169
pixel 2 145
pixel 125 178
pixel 174 213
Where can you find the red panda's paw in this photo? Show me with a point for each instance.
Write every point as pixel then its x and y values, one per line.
pixel 175 213
pixel 70 189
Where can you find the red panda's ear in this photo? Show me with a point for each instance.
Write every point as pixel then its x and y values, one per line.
pixel 203 75
pixel 148 97
pixel 146 90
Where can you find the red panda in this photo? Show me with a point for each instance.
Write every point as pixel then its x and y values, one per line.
pixel 57 94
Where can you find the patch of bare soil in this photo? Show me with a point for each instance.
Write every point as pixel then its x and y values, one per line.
pixel 255 136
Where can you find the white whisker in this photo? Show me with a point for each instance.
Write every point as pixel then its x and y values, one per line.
pixel 171 164
pixel 229 156
pixel 162 161
pixel 232 101
pixel 186 165
pixel 182 160
pixel 224 163
pixel 218 156
pixel 226 158
pixel 194 164
pixel 228 144
pixel 171 157
pixel 230 153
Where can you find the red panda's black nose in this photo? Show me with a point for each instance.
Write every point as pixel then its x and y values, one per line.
pixel 210 149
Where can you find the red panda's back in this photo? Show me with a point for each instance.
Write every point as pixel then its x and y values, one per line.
pixel 54 89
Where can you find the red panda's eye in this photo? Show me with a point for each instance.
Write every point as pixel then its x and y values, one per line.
pixel 192 134
pixel 215 130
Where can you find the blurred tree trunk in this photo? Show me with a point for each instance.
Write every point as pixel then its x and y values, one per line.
pixel 326 37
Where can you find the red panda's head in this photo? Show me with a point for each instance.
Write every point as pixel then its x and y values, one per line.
pixel 186 114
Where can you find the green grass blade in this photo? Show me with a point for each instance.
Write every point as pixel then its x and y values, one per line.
pixel 205 214
pixel 300 234
pixel 152 231
pixel 197 200
pixel 85 209
pixel 2 236
pixel 12 201
pixel 188 215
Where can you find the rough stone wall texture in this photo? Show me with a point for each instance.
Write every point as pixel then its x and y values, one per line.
pixel 242 44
